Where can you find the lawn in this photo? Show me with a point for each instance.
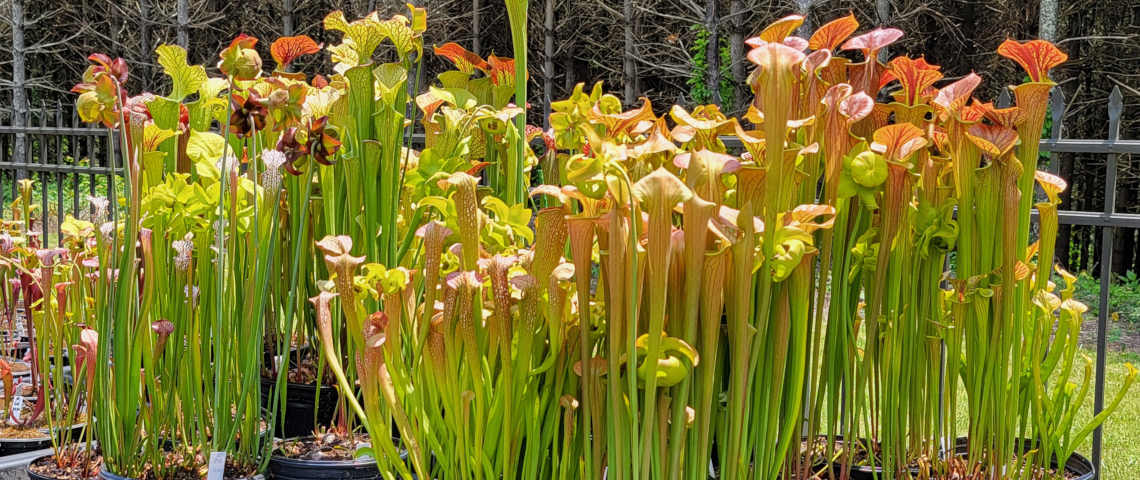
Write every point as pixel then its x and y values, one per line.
pixel 1121 454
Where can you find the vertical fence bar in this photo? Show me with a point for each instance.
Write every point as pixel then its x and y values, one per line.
pixel 73 151
pixel 43 179
pixel 4 157
pixel 1115 105
pixel 1004 100
pixel 111 194
pixel 59 214
pixel 93 160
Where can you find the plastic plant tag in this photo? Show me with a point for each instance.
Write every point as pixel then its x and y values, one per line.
pixel 18 402
pixel 217 467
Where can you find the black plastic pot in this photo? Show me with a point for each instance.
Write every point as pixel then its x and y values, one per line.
pixel 866 472
pixel 819 462
pixel 105 475
pixel 282 468
pixel 1078 467
pixel 300 407
pixel 269 358
pixel 9 446
pixel 33 475
pixel 13 361
pixel 19 349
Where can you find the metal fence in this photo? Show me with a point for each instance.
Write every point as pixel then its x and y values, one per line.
pixel 66 159
pixel 70 160
pixel 1108 219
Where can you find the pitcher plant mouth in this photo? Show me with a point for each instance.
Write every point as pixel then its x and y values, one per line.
pixel 639 299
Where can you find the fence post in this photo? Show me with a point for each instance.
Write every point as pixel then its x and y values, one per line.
pixel 112 199
pixel 1004 100
pixel 20 149
pixel 73 151
pixel 43 179
pixel 1115 105
pixel 4 174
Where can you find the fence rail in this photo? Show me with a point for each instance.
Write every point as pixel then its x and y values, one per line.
pixel 75 155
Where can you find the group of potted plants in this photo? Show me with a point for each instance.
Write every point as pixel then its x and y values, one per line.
pixel 44 291
pixel 621 296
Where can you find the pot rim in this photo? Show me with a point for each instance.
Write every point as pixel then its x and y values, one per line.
pixel 32 475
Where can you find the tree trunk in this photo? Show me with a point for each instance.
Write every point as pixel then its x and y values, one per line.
pixel 1075 249
pixel 1136 260
pixel 476 28
pixel 184 23
pixel 1122 245
pixel 1065 231
pixel 1098 255
pixel 1047 20
pixel 287 18
pixel 1049 25
pixel 19 77
pixel 712 52
pixel 1083 233
pixel 629 68
pixel 803 7
pixel 736 56
pixel 571 78
pixel 548 62
pixel 883 12
pixel 144 41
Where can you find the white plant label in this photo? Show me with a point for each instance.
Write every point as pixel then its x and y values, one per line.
pixel 17 408
pixel 217 466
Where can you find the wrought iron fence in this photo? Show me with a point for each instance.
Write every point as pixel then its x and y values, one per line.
pixel 70 160
pixel 1108 219
pixel 67 159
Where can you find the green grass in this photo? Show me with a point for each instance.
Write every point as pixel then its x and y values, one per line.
pixel 1123 300
pixel 1121 454
pixel 56 185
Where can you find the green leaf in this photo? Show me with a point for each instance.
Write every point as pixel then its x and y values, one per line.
pixel 362 35
pixel 391 78
pixel 400 34
pixel 674 364
pixel 460 98
pixel 516 217
pixel 454 79
pixel 152 167
pixel 204 147
pixel 186 78
pixel 154 135
pixel 73 227
pixel 432 167
pixel 868 169
pixel 586 173
pixel 164 111
pixel 210 105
